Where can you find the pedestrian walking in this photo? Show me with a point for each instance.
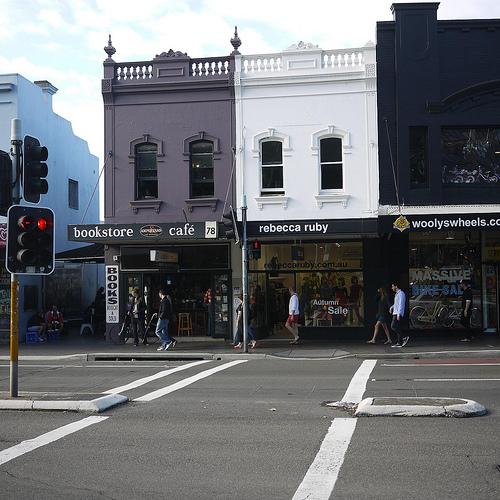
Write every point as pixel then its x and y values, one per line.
pixel 382 317
pixel 466 310
pixel 292 322
pixel 164 317
pixel 138 317
pixel 238 338
pixel 209 302
pixel 398 311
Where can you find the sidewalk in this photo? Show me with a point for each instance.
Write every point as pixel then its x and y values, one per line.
pixel 208 348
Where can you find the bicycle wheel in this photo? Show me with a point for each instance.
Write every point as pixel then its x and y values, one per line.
pixel 417 317
pixel 475 318
pixel 444 317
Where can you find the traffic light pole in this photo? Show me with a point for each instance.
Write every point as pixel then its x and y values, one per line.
pixel 16 142
pixel 244 250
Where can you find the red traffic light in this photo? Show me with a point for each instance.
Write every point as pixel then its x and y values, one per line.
pixel 256 245
pixel 42 224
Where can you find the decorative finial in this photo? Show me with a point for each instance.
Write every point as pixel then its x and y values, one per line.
pixel 109 49
pixel 235 42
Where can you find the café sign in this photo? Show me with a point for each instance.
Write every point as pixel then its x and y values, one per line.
pixel 126 233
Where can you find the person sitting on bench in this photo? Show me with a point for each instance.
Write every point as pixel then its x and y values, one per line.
pixel 54 320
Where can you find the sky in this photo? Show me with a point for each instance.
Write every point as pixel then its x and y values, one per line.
pixel 62 40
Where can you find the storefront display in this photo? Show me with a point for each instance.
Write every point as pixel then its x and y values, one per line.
pixel 438 261
pixel 328 278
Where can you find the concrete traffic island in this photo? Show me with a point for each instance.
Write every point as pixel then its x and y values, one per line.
pixel 59 401
pixel 419 407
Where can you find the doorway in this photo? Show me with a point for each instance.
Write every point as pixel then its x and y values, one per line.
pixel 491 295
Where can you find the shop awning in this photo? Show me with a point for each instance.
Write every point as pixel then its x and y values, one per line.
pixel 90 253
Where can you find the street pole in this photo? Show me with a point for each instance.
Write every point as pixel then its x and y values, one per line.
pixel 16 142
pixel 244 250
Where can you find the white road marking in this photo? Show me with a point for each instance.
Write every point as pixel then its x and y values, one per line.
pixel 322 475
pixel 188 381
pixel 32 444
pixel 145 380
pixel 427 365
pixel 357 386
pixel 320 479
pixel 456 379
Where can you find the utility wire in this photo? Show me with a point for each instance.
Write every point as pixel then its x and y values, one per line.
pixel 396 187
pixel 95 187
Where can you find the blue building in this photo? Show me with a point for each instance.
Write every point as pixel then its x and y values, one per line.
pixel 73 174
pixel 438 89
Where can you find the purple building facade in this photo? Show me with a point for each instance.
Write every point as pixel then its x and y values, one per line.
pixel 169 140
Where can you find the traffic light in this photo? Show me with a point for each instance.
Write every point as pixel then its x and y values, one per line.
pixel 231 226
pixel 5 182
pixel 34 171
pixel 255 250
pixel 30 240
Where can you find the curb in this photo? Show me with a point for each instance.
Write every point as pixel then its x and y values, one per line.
pixel 444 407
pixel 483 353
pixel 97 405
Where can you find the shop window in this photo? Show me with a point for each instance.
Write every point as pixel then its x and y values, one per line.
pixel 271 159
pixel 73 194
pixel 146 171
pixel 418 158
pixel 331 163
pixel 328 277
pixel 201 169
pixel 438 261
pixel 470 156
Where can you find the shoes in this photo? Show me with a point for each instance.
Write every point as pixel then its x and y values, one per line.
pixel 253 344
pixel 173 343
pixel 387 342
pixel 465 340
pixel 162 347
pixel 405 341
pixel 167 346
pixel 237 346
pixel 136 344
pixel 294 342
pixel 396 345
pixel 40 339
pixel 370 342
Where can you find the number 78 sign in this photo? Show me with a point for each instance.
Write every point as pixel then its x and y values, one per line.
pixel 211 229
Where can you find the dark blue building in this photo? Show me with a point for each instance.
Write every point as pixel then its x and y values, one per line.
pixel 439 153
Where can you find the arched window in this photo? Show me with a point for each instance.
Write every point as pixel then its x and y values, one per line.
pixel 201 165
pixel 331 163
pixel 271 161
pixel 146 171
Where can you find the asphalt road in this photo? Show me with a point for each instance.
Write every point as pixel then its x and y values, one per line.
pixel 251 431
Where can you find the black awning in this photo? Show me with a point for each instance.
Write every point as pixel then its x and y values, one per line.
pixel 90 253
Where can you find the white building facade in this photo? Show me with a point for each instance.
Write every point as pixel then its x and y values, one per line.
pixel 307 165
pixel 73 176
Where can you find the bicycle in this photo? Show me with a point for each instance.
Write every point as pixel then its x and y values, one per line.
pixel 420 315
pixel 121 334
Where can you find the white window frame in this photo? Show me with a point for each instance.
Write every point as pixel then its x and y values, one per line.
pixel 332 195
pixel 271 134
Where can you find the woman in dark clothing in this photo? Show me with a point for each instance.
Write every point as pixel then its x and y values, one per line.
pixel 138 317
pixel 382 317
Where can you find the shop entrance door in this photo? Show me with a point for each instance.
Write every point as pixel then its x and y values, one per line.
pixel 279 296
pixel 491 296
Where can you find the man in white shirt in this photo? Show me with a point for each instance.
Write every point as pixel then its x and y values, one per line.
pixel 398 311
pixel 293 316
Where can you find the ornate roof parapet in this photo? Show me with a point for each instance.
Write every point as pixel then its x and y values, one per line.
pixel 171 53
pixel 302 46
pixel 110 50
pixel 235 42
